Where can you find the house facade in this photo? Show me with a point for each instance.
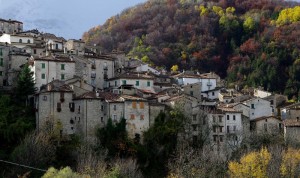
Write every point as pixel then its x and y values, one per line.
pixel 47 69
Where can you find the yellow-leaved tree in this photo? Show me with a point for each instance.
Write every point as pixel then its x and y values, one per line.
pixel 174 68
pixel 254 165
pixel 290 163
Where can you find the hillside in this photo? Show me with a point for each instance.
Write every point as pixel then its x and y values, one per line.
pixel 251 42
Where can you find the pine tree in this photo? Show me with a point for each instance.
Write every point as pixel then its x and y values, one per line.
pixel 25 84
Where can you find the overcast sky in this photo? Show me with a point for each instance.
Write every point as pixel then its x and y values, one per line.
pixel 67 18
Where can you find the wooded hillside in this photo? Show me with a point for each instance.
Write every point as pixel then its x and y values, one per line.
pixel 251 42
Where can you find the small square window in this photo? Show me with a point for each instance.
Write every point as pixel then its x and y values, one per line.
pixel 124 82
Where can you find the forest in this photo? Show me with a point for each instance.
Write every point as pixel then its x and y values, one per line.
pixel 251 43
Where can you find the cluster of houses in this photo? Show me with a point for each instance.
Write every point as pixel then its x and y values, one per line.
pixel 79 89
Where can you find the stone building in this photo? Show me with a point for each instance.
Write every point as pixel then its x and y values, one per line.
pixel 102 68
pixel 47 69
pixel 10 26
pixel 266 124
pixel 75 47
pixel 55 108
pixel 139 81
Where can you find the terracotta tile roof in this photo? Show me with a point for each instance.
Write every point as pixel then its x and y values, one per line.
pixel 57 58
pixel 132 97
pixel 132 76
pixel 228 109
pixel 56 86
pixel 101 95
pixel 265 117
pixel 292 123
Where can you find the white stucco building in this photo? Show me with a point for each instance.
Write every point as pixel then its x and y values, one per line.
pixel 139 81
pixel 47 69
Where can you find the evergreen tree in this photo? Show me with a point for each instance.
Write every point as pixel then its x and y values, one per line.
pixel 25 84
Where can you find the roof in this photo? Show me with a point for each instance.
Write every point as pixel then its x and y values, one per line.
pixel 56 58
pixel 56 86
pixel 265 117
pixel 52 36
pixel 98 95
pixel 132 76
pixel 196 75
pixel 228 109
pixel 292 123
pixel 11 21
pixel 132 97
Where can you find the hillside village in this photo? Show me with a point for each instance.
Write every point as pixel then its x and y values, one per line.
pixel 79 89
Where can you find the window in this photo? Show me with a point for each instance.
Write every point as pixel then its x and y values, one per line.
pixel 115 117
pixel 194 127
pixel 1 62
pixel 1 52
pixel 78 109
pixel 228 117
pixel 141 105
pixel 220 119
pixel 214 129
pixel 56 46
pixel 1 73
pixel 221 129
pixel 43 76
pixel 137 83
pixel 72 107
pixel 221 137
pixel 101 119
pixel 252 106
pixel 132 116
pixel 115 107
pixel 228 129
pixel 191 93
pixel 102 107
pixel 62 76
pixel 213 93
pixel 34 51
pixel 214 119
pixel 142 117
pixel 234 117
pixel 62 66
pixel 43 65
pixel 148 84
pixel 28 41
pixel 58 107
pixel 215 138
pixel 134 104
pixel 194 117
pixel 124 82
pixel 115 83
pixel 234 128
pixel 45 98
pixel 62 96
pixel 20 40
